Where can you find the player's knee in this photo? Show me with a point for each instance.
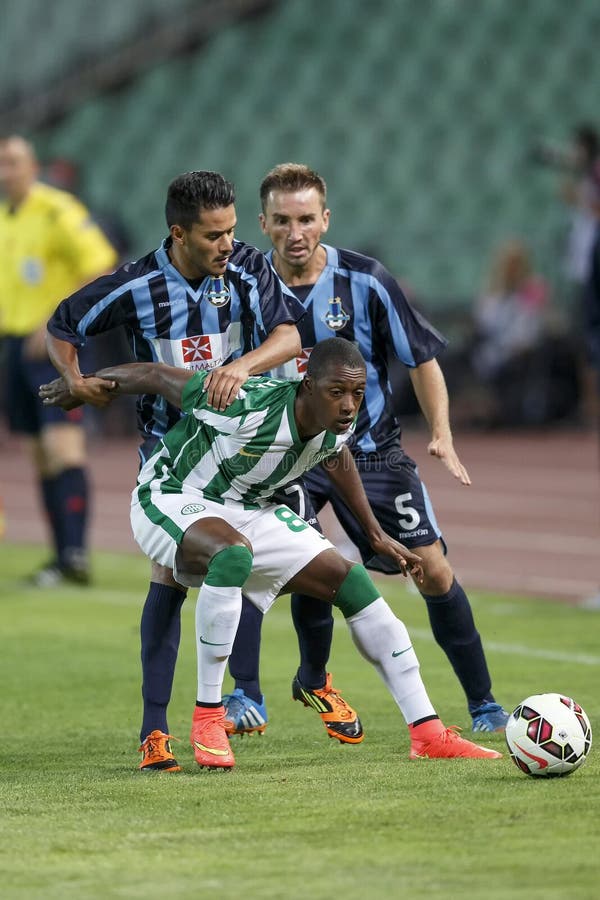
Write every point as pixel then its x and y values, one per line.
pixel 355 592
pixel 437 573
pixel 231 566
pixel 437 580
pixel 164 575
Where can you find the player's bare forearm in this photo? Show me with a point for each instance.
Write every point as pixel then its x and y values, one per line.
pixel 147 378
pixel 72 389
pixel 68 395
pixel 63 357
pixel 130 378
pixel 224 383
pixel 431 392
pixel 432 395
pixel 342 471
pixel 281 345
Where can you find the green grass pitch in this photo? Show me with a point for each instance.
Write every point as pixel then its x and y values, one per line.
pixel 301 816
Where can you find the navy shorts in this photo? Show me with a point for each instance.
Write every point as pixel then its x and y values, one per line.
pixel 25 411
pixel 397 495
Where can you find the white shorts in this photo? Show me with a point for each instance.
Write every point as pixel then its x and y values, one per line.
pixel 282 542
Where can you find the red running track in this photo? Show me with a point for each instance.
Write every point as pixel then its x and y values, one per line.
pixel 530 522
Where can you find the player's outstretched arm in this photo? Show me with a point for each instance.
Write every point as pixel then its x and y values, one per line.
pixel 342 471
pixel 432 394
pixel 129 378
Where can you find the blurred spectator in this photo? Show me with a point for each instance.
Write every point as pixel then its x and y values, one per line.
pixel 580 160
pixel 514 354
pixel 592 308
pixel 592 322
pixel 49 247
pixel 509 315
pixel 581 191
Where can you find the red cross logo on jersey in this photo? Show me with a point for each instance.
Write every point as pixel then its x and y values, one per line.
pixel 302 360
pixel 196 348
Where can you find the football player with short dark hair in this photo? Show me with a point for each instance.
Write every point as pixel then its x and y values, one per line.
pixel 202 301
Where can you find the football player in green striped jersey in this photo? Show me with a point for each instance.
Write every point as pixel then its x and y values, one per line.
pixel 205 506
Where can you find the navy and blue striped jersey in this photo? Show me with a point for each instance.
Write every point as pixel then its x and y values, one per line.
pixel 169 320
pixel 356 298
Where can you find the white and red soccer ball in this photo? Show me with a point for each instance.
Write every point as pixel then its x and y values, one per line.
pixel 548 734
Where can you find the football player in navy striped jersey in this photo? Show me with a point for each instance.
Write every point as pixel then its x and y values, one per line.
pixel 353 296
pixel 201 301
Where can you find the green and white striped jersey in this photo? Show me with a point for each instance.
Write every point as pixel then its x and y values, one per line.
pixel 240 455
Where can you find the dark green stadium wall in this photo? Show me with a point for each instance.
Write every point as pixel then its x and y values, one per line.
pixel 420 115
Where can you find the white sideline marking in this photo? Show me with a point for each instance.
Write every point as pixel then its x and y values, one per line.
pixel 584 659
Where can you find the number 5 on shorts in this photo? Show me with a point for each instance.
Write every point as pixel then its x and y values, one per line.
pixel 409 517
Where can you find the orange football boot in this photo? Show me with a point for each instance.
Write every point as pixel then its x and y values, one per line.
pixel 339 719
pixel 209 738
pixel 432 740
pixel 157 753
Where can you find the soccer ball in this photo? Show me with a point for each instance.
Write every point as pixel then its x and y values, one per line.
pixel 548 734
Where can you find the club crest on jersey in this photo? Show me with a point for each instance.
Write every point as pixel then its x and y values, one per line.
pixel 192 508
pixel 335 317
pixel 218 294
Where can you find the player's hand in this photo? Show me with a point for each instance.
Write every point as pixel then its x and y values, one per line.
pixel 70 394
pixel 443 448
pixel 223 384
pixel 58 394
pixel 408 563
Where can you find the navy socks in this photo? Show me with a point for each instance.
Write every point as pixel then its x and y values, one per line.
pixel 65 498
pixel 313 621
pixel 454 629
pixel 244 662
pixel 160 632
pixel 51 507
